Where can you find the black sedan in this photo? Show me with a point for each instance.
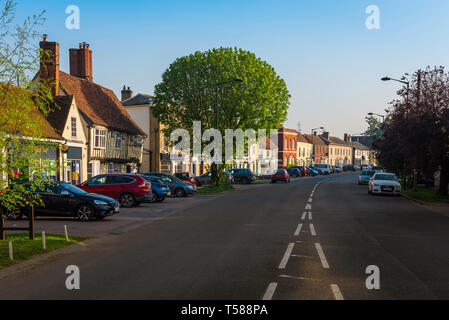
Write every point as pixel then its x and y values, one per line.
pixel 64 200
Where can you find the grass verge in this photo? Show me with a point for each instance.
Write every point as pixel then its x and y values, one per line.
pixel 425 195
pixel 214 189
pixel 24 249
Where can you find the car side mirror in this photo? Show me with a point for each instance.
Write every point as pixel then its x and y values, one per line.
pixel 65 194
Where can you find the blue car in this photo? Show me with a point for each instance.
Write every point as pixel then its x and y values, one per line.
pixel 312 172
pixel 159 188
pixel 366 176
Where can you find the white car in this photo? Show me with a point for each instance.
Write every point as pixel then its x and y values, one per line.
pixel 384 183
pixel 322 168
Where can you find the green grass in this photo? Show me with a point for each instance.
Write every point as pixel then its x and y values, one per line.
pixel 425 194
pixel 214 189
pixel 24 249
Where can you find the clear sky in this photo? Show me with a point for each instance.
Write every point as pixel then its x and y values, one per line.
pixel 331 62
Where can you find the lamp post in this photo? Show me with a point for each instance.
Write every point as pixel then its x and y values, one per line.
pixel 217 86
pixel 407 103
pixel 379 115
pixel 313 143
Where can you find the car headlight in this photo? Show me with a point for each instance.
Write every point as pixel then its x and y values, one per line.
pixel 100 203
pixel 190 187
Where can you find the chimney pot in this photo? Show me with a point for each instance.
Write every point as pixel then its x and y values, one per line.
pixel 81 62
pixel 45 38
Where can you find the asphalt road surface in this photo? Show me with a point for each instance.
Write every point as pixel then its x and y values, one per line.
pixel 311 239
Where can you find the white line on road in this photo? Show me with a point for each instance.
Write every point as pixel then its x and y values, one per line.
pixel 312 230
pixel 322 256
pixel 297 278
pixel 270 291
pixel 310 199
pixel 304 215
pixel 310 215
pixel 287 254
pixel 298 230
pixel 337 293
pixel 308 206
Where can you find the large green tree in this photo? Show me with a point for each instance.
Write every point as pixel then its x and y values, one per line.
pixel 23 106
pixel 188 87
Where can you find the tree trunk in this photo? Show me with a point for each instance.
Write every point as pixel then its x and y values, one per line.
pixel 444 177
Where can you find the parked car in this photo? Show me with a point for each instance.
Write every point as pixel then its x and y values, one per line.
pixel 186 177
pixel 322 168
pixel 159 188
pixel 280 175
pixel 365 176
pixel 365 167
pixel 129 189
pixel 384 183
pixel 64 200
pixel 337 169
pixel 294 172
pixel 304 170
pixel 203 180
pixel 177 187
pixel 312 172
pixel 349 167
pixel 244 176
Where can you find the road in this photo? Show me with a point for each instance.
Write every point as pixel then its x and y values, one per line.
pixel 311 239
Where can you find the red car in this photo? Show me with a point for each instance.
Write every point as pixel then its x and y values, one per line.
pixel 280 175
pixel 129 189
pixel 186 176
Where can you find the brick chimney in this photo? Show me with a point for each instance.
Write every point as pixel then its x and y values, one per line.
pixel 325 135
pixel 81 62
pixel 126 93
pixel 347 137
pixel 49 64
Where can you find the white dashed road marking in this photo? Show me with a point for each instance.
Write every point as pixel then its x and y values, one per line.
pixel 304 215
pixel 337 293
pixel 270 291
pixel 298 230
pixel 310 215
pixel 322 256
pixel 312 230
pixel 308 206
pixel 286 257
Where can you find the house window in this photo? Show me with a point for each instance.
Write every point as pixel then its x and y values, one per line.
pixel 118 140
pixel 73 124
pixel 100 139
pixel 137 142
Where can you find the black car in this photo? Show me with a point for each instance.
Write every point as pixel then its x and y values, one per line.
pixel 244 176
pixel 177 187
pixel 64 200
pixel 294 172
pixel 349 167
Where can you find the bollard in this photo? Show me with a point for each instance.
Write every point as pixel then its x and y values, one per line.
pixel 44 242
pixel 66 233
pixel 11 256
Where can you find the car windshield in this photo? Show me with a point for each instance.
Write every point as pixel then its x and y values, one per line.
pixel 321 166
pixel 388 177
pixel 72 189
pixel 368 172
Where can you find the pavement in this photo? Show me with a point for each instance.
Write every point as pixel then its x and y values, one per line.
pixel 312 239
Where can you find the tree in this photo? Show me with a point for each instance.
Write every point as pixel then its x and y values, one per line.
pixel 374 130
pixel 187 92
pixel 416 135
pixel 23 106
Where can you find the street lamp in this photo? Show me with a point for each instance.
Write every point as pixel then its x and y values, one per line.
pixel 407 103
pixel 376 114
pixel 217 86
pixel 313 143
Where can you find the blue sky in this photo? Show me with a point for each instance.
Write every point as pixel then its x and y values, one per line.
pixel 331 62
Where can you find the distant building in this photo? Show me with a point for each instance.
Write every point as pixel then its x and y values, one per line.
pixel 304 151
pixel 320 149
pixel 340 151
pixel 287 147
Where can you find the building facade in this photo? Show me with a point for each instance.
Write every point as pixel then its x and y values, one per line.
pixel 287 147
pixel 304 151
pixel 320 150
pixel 340 152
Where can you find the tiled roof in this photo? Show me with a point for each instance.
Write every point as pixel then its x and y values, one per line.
pixel 60 109
pixel 302 139
pixel 335 141
pixel 314 139
pixel 359 146
pixel 138 100
pixel 98 104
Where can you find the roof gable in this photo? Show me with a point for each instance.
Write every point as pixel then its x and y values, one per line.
pixel 98 104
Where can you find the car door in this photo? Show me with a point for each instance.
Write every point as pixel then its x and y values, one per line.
pixel 55 203
pixel 170 182
pixel 96 185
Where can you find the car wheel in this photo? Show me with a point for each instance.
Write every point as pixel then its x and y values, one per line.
pixel 127 200
pixel 84 213
pixel 180 193
pixel 245 181
pixel 154 197
pixel 14 214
